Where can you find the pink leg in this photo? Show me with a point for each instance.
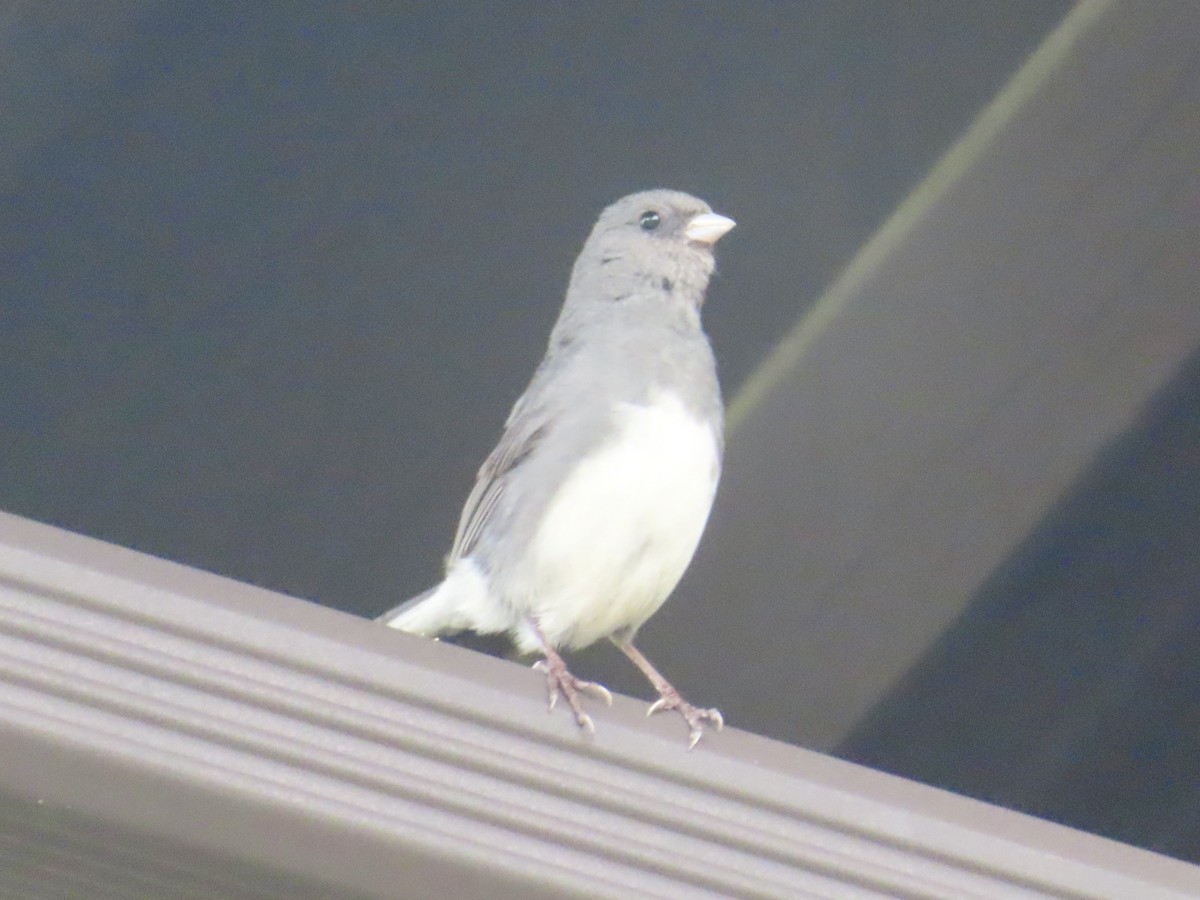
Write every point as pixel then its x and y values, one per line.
pixel 561 683
pixel 670 698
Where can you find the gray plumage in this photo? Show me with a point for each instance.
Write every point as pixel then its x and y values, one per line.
pixel 584 517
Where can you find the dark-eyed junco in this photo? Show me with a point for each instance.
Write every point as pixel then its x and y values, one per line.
pixel 585 516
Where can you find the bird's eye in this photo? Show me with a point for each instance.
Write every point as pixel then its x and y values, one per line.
pixel 650 220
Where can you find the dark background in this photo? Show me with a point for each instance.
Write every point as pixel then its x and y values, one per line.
pixel 272 274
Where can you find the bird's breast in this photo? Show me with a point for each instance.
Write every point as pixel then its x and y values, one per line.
pixel 621 529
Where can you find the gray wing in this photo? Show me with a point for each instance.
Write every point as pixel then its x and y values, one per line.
pixel 524 430
pixel 563 414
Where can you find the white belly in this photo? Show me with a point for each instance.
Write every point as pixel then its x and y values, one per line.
pixel 619 534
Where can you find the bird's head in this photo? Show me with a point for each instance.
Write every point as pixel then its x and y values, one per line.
pixel 659 240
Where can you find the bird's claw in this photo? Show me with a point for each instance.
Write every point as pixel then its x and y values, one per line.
pixel 561 683
pixel 693 715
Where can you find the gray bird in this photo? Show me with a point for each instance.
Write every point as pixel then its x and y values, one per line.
pixel 585 516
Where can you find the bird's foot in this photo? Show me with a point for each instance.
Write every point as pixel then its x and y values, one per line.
pixel 693 715
pixel 561 683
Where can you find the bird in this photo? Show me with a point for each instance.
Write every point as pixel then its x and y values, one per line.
pixel 586 514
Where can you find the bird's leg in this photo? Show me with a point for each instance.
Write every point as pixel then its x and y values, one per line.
pixel 670 698
pixel 561 683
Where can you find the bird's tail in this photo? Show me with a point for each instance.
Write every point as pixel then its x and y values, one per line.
pixel 458 603
pixel 416 615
